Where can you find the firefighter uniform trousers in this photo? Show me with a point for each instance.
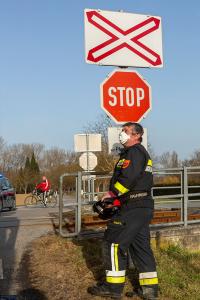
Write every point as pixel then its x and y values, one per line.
pixel 129 231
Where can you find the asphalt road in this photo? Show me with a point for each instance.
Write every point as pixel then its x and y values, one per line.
pixel 17 229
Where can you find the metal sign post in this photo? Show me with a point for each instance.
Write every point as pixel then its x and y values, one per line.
pixel 87 143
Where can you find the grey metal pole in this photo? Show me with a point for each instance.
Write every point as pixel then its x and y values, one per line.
pixel 79 202
pixel 84 188
pixel 65 235
pixel 185 198
pixel 76 208
pixel 92 187
pixel 87 150
pixel 60 203
pixel 182 192
pixel 88 165
pixel 89 187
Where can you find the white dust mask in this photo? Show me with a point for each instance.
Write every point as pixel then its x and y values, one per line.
pixel 123 137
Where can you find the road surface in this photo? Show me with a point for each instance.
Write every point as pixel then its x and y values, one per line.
pixel 17 229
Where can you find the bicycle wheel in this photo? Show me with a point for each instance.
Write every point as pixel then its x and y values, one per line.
pixel 30 200
pixel 51 201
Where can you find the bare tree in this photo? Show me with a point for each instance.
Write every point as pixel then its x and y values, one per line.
pixel 53 158
pixel 169 160
pixel 100 126
pixel 14 156
pixel 153 156
pixel 2 150
pixel 2 144
pixel 194 160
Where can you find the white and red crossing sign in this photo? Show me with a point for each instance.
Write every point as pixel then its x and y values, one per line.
pixel 125 96
pixel 122 39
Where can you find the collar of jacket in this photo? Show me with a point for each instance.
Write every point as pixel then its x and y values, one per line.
pixel 130 147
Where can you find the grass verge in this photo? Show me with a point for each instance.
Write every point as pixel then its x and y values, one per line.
pixel 59 269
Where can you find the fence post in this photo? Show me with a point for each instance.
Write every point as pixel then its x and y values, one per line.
pixel 185 196
pixel 77 212
pixel 79 180
pixel 92 188
pixel 60 203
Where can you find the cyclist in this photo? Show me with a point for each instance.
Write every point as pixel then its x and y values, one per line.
pixel 43 187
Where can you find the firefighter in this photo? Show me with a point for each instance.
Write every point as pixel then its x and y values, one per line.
pixel 128 229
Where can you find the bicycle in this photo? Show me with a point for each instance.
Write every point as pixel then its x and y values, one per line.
pixel 49 199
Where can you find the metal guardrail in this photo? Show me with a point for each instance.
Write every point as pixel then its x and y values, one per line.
pixel 76 204
pixel 86 192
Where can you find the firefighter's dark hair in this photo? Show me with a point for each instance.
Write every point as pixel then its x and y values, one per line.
pixel 137 128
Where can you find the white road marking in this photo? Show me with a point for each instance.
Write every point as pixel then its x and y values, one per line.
pixel 1 269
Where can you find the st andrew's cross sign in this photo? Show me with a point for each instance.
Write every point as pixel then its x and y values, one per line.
pixel 123 39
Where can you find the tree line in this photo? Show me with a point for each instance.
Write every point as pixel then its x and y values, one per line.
pixel 25 164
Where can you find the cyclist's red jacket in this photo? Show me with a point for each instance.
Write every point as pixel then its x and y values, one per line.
pixel 44 186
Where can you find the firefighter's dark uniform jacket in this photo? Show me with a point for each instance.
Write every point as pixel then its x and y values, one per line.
pixel 133 175
pixel 129 228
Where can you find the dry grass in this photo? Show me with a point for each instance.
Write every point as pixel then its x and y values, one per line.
pixel 59 269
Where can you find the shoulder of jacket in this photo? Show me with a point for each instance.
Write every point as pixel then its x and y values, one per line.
pixel 138 150
pixel 141 148
pixel 133 150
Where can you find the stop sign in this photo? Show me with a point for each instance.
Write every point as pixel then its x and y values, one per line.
pixel 125 96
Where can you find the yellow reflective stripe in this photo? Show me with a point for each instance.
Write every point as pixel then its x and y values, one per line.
pixel 148 281
pixel 116 279
pixel 116 257
pixel 120 163
pixel 122 160
pixel 122 189
pixel 149 163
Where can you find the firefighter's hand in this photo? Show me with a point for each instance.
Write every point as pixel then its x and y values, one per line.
pixel 107 195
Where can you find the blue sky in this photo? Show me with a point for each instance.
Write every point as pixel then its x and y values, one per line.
pixel 48 93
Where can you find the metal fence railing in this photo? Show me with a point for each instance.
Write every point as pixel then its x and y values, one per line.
pixel 176 189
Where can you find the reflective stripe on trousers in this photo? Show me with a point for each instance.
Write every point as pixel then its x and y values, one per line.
pixel 115 276
pixel 148 278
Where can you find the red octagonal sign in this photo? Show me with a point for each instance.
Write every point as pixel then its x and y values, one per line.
pixel 125 96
